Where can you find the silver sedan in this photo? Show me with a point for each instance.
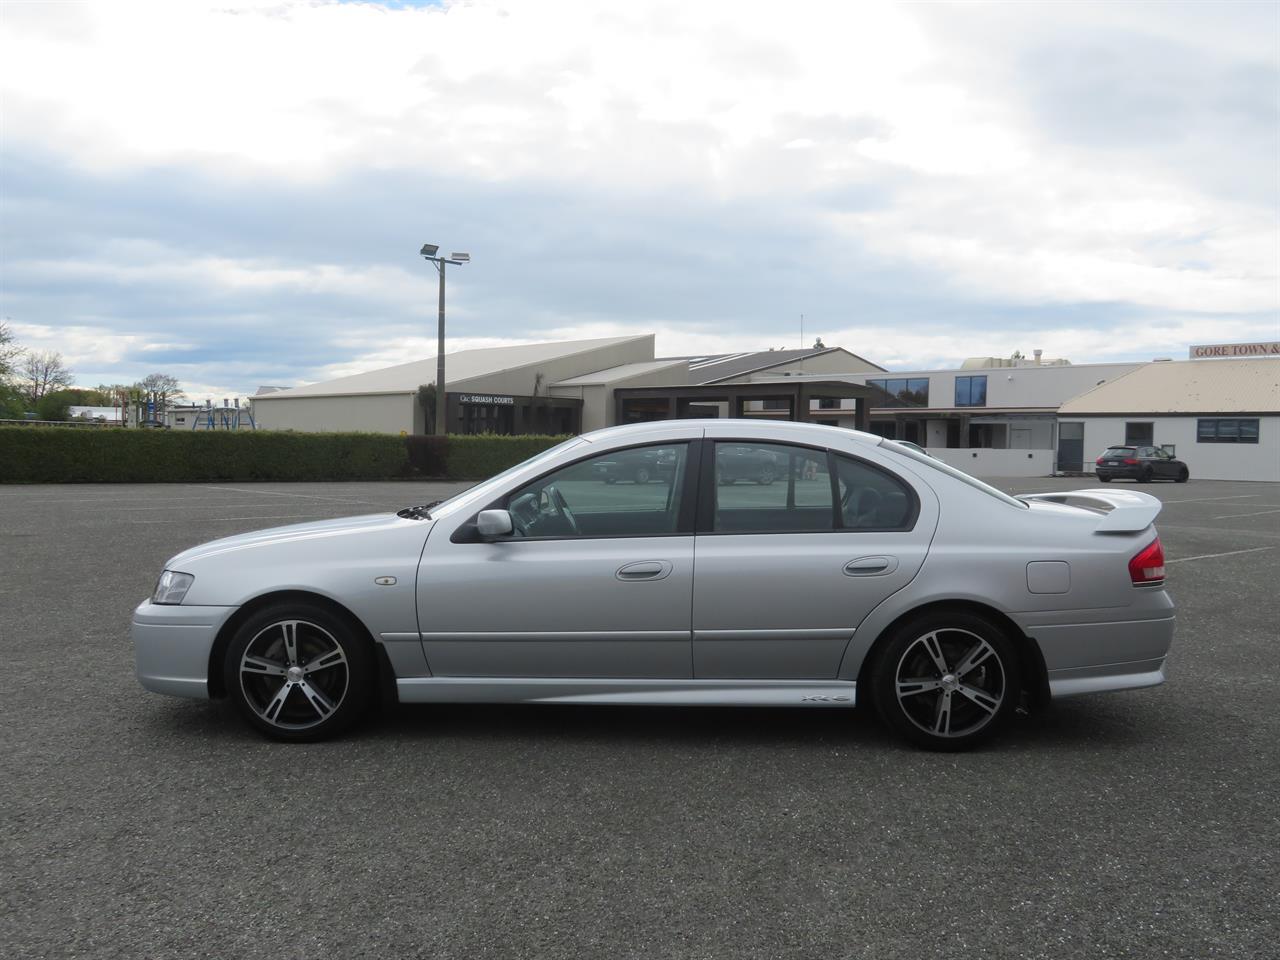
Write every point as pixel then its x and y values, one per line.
pixel 861 573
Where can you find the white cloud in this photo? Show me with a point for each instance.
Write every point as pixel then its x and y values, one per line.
pixel 925 109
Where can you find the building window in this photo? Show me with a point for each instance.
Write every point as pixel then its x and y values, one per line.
pixel 902 392
pixel 1139 434
pixel 828 403
pixel 1227 431
pixel 781 404
pixel 971 391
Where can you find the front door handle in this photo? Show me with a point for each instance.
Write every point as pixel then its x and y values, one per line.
pixel 870 566
pixel 644 570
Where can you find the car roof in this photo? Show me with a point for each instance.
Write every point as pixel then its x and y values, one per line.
pixel 737 428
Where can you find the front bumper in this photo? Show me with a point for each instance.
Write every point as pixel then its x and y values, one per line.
pixel 171 646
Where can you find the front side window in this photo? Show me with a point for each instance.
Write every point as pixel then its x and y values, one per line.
pixel 771 488
pixel 971 391
pixel 624 493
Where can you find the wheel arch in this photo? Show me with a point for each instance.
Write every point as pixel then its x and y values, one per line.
pixel 385 686
pixel 1035 682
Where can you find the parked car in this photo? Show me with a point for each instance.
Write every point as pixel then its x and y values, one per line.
pixel 638 466
pixel 542 585
pixel 1142 464
pixel 736 462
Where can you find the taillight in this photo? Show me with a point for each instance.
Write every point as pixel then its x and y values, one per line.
pixel 1098 461
pixel 1148 565
pixel 1130 462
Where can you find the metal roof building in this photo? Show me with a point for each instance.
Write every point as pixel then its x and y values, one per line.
pixel 1220 417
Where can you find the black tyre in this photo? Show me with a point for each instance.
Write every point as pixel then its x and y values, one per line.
pixel 298 672
pixel 766 476
pixel 947 680
pixel 642 475
pixel 1183 475
pixel 1104 479
pixel 1145 476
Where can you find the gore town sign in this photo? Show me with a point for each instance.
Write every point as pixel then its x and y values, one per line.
pixel 1206 350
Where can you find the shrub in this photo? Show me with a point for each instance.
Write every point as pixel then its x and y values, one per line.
pixel 112 455
pixel 479 456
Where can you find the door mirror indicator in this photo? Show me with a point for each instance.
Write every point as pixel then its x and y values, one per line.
pixel 493 523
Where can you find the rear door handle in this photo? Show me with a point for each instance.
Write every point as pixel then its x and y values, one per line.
pixel 870 566
pixel 644 570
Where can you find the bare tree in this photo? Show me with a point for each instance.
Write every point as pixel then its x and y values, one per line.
pixel 161 385
pixel 42 372
pixel 9 351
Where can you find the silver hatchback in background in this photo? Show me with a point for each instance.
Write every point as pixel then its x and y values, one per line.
pixel 756 564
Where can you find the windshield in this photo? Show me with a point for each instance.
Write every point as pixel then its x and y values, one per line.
pixel 445 506
pixel 951 471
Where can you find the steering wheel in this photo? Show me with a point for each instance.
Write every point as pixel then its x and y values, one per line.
pixel 562 507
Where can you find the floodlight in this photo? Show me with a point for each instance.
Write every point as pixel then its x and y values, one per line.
pixel 460 257
pixel 429 249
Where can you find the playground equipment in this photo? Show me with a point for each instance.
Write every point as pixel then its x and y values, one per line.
pixel 226 417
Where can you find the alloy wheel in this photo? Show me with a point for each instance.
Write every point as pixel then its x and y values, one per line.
pixel 950 683
pixel 294 674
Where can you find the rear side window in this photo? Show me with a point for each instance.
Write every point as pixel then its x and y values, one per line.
pixel 771 488
pixel 1119 452
pixel 871 499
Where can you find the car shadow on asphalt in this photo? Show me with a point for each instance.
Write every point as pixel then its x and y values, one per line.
pixel 1093 723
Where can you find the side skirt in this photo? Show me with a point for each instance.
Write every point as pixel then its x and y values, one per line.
pixel 690 693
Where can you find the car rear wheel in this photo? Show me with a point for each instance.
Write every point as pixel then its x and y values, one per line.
pixel 766 476
pixel 642 475
pixel 946 681
pixel 298 672
pixel 1104 479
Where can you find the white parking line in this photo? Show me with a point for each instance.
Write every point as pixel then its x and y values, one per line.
pixel 1212 556
pixel 1232 516
pixel 273 493
pixel 279 516
pixel 1243 496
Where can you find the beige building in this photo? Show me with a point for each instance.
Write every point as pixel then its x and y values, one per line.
pixel 1220 417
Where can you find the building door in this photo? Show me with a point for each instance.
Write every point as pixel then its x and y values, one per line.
pixel 1071 447
pixel 1141 434
pixel 1019 438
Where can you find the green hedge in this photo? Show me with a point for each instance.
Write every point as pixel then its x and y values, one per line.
pixel 108 455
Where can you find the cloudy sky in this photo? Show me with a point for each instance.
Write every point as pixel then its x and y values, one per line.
pixel 235 192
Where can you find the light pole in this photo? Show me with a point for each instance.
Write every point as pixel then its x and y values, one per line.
pixel 428 252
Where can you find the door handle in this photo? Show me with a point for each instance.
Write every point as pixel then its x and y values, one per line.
pixel 644 570
pixel 870 566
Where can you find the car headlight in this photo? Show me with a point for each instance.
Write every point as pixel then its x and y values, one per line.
pixel 172 587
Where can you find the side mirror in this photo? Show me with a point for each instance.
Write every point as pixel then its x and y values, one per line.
pixel 493 523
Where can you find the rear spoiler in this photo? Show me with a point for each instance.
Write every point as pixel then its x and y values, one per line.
pixel 1124 511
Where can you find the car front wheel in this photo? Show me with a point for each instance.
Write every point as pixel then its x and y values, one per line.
pixel 1183 475
pixel 298 672
pixel 946 681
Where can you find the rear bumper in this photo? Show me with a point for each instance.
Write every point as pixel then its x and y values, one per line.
pixel 171 646
pixel 1096 657
pixel 1118 473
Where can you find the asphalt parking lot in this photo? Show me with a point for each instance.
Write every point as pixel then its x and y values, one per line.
pixel 1141 824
